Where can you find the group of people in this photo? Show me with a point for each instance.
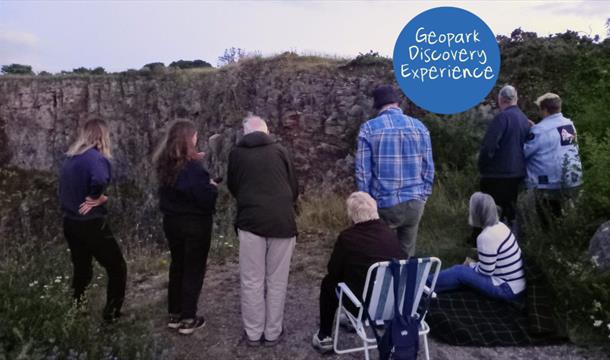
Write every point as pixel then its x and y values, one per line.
pixel 394 175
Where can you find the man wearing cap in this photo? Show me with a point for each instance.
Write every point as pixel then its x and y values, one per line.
pixel 554 169
pixel 394 165
pixel 501 159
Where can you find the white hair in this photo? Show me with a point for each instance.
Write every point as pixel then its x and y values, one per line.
pixel 361 207
pixel 508 94
pixel 483 210
pixel 254 123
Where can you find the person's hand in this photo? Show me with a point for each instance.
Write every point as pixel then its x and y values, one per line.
pixel 90 203
pixel 200 155
pixel 213 182
pixel 530 122
pixel 468 261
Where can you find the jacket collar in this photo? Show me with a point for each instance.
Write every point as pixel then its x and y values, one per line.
pixel 255 139
pixel 391 110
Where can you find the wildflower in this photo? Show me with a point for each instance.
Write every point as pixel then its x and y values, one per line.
pixel 595 260
pixel 597 305
pixel 597 323
pixel 608 326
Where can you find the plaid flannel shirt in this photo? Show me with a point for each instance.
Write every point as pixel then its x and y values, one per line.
pixel 394 159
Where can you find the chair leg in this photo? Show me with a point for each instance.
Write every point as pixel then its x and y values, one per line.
pixel 366 350
pixel 426 351
pixel 337 326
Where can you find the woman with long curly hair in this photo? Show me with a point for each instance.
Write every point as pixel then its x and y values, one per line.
pixel 187 201
pixel 85 174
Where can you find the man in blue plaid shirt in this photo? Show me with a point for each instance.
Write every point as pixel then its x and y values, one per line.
pixel 394 165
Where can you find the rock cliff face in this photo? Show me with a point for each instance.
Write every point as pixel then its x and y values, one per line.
pixel 313 106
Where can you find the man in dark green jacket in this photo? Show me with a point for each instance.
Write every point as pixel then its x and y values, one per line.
pixel 262 179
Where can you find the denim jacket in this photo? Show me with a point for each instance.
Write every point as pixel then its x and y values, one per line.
pixel 551 154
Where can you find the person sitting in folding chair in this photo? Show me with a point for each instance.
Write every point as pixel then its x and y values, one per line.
pixel 499 272
pixel 368 241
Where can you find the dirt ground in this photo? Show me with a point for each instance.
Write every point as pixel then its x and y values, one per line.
pixel 222 337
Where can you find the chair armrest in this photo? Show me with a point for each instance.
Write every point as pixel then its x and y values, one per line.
pixel 427 291
pixel 350 295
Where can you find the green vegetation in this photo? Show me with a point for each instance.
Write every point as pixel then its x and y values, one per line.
pixel 17 69
pixel 190 64
pixel 369 59
pixel 231 56
pixel 39 319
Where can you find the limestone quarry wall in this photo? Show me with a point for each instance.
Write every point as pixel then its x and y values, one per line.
pixel 313 107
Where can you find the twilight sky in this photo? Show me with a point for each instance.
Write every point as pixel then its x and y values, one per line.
pixel 62 35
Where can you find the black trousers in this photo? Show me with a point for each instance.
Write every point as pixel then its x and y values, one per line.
pixel 189 243
pixel 329 303
pixel 91 239
pixel 505 192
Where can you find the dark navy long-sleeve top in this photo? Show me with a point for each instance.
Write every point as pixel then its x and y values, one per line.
pixel 191 195
pixel 84 175
pixel 501 154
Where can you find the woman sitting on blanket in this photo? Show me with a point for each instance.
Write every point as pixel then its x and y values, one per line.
pixel 499 272
pixel 366 242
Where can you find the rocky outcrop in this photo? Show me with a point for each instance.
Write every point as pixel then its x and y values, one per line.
pixel 313 106
pixel 599 247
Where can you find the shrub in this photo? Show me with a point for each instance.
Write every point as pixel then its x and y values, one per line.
pixel 596 163
pixel 231 56
pixel 17 69
pixel 369 59
pixel 98 71
pixel 190 64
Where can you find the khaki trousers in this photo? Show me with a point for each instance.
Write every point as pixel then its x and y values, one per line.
pixel 264 264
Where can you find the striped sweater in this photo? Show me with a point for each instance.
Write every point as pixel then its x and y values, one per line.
pixel 500 257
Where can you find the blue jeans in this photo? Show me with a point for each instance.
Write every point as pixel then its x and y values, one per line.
pixel 463 276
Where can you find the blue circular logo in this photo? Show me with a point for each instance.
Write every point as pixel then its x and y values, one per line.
pixel 446 60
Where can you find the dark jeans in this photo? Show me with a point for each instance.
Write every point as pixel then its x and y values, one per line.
pixel 329 301
pixel 404 218
pixel 505 192
pixel 189 243
pixel 93 239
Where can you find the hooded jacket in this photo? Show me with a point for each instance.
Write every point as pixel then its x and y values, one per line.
pixel 262 179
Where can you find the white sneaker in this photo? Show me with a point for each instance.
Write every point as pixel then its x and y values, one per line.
pixel 322 345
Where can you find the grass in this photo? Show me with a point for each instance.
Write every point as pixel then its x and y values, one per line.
pixel 40 320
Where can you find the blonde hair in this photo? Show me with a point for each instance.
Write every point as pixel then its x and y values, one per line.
pixel 361 207
pixel 483 210
pixel 93 134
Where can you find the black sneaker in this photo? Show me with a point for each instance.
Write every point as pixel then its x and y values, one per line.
pixel 174 321
pixel 188 326
pixel 111 318
pixel 252 343
pixel 271 343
